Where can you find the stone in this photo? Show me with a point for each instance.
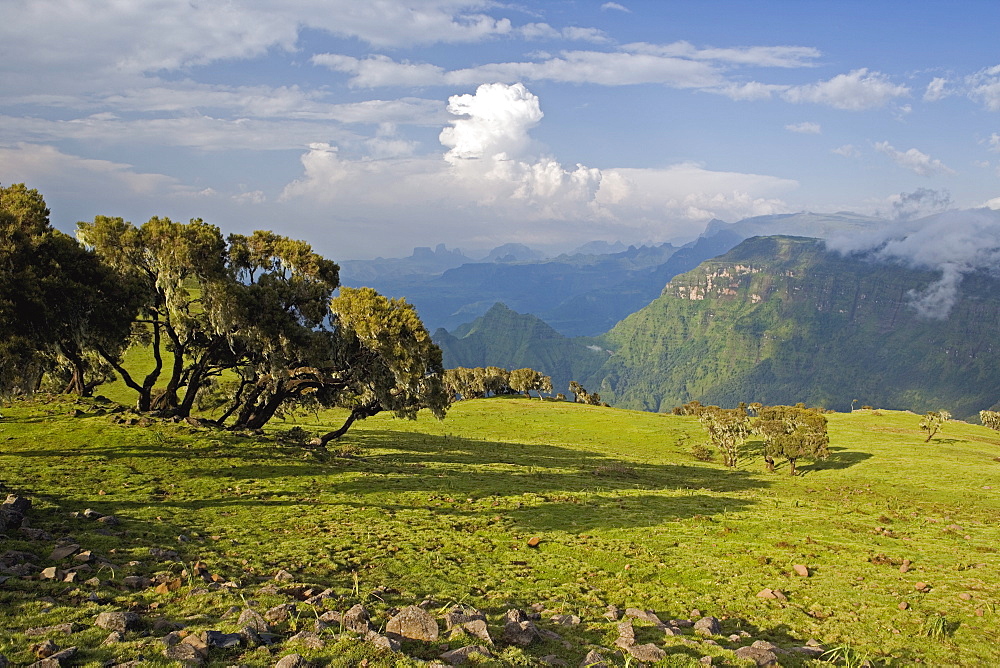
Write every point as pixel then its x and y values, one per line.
pixel 565 620
pixel 534 541
pixel 614 613
pixel 91 514
pixel 357 620
pixel 118 621
pixel 626 634
pixel 137 582
pixel 184 653
pixel 705 660
pixel 647 653
pixel 478 629
pixel 163 554
pixel 812 652
pixel 922 587
pixel 84 557
pixel 519 633
pixel 63 551
pixel 58 659
pixel 44 649
pixel 593 660
pixel 459 616
pixel 761 657
pixel 283 576
pixel 280 613
pixel 707 626
pixel 114 637
pixel 291 661
pixel 801 570
pixel 965 596
pixel 50 573
pixel 66 628
pixel 413 623
pixel 553 660
pixel 223 640
pixel 308 639
pixel 457 657
pixel 905 566
pixel 383 642
pixel 318 599
pixel 644 615
pixel 109 520
pixel 764 644
pixel 251 619
pixel 903 605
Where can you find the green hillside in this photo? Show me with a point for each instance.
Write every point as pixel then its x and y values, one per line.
pixel 443 511
pixel 780 320
pixel 513 340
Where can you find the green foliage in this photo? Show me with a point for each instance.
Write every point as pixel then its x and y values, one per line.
pixel 728 429
pixel 792 432
pixel 990 419
pixel 780 320
pixel 932 422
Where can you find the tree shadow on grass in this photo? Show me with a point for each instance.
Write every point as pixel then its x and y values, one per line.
pixel 840 458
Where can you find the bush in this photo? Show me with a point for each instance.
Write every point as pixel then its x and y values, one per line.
pixel 702 452
pixel 990 419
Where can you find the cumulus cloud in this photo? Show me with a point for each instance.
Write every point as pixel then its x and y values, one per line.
pixel 806 128
pixel 847 151
pixel 914 160
pixel 919 203
pixel 493 182
pixel 954 243
pixel 855 91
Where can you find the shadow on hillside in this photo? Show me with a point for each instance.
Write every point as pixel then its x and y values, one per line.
pixel 840 458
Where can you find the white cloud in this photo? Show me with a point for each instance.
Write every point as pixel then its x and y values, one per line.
pixel 984 87
pixel 855 91
pixel 615 6
pixel 994 142
pixel 914 160
pixel 757 56
pixel 806 128
pixel 847 150
pixel 935 90
pixel 491 184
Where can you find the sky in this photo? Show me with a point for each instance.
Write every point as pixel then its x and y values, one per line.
pixel 368 128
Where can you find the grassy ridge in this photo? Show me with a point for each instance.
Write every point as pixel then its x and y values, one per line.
pixel 444 509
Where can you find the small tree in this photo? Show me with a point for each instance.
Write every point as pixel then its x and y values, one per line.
pixel 525 380
pixel 728 428
pixel 990 419
pixel 791 432
pixel 932 422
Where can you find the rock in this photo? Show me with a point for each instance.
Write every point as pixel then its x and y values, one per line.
pixel 114 637
pixel 92 514
pixel 383 642
pixel 903 605
pixel 761 657
pixel 905 566
pixel 552 660
pixel 66 628
pixel 291 661
pixel 163 554
pixel 534 541
pixel 223 640
pixel 478 629
pixel 56 660
pixel 51 573
pixel 812 652
pixel 457 657
pixel 518 630
pixel 44 649
pixel 801 570
pixel 34 534
pixel 764 644
pixel 707 626
pixel 614 613
pixel 459 616
pixel 118 621
pixel 63 551
pixel 775 594
pixel 644 615
pixel 413 623
pixel 565 620
pixel 309 639
pixel 137 582
pixel 922 587
pixel 185 653
pixel 594 659
pixel 705 660
pixel 626 635
pixel 965 596
pixel 357 620
pixel 647 653
pixel 280 613
pixel 320 597
pixel 283 576
pixel 251 619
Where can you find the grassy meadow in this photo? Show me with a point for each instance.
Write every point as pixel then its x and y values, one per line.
pixel 402 511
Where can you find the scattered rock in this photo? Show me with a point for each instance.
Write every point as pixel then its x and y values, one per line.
pixel 518 629
pixel 56 660
pixel 565 620
pixel 222 640
pixel 626 635
pixel 137 582
pixel 185 653
pixel 905 566
pixel 457 657
pixel 552 660
pixel 44 649
pixel 66 628
pixel 761 657
pixel 114 637
pixel 594 659
pixel 383 642
pixel 291 661
pixel 965 596
pixel 459 616
pixel 251 619
pixel 478 629
pixel 812 652
pixel 163 554
pixel 357 620
pixel 614 613
pixel 51 573
pixel 647 653
pixel 92 514
pixel 772 594
pixel 707 626
pixel 63 551
pixel 801 570
pixel 309 639
pixel 118 621
pixel 903 605
pixel 413 623
pixel 283 576
pixel 534 541
pixel 922 587
pixel 280 613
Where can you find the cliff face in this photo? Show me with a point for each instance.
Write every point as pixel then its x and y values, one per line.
pixel 780 320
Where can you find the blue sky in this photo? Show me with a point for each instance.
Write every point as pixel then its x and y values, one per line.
pixel 368 128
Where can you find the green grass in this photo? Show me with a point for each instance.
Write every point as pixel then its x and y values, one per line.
pixel 626 516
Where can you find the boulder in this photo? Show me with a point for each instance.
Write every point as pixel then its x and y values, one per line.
pixel 761 657
pixel 357 620
pixel 62 551
pixel 648 653
pixel 707 626
pixel 518 629
pixel 223 640
pixel 413 623
pixel 280 613
pixel 118 621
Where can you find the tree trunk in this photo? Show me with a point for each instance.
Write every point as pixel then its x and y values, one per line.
pixel 359 413
pixel 791 461
pixel 770 463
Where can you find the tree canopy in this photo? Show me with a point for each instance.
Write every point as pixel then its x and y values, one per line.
pixel 792 432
